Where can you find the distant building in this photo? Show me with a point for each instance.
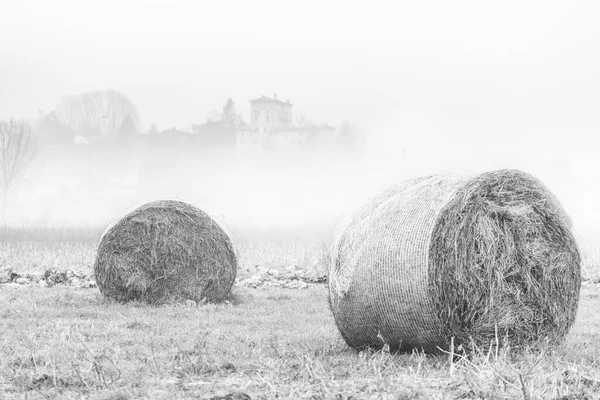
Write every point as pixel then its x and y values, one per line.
pixel 172 135
pixel 215 133
pixel 326 135
pixel 270 113
pixel 104 126
pixel 271 128
pixel 97 132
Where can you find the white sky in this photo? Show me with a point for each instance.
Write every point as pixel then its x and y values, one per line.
pixel 177 60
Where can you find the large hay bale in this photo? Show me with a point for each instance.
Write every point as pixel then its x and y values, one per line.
pixel 480 257
pixel 165 251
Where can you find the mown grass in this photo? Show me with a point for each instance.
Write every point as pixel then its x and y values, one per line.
pixel 66 342
pixel 30 257
pixel 50 234
pixel 269 343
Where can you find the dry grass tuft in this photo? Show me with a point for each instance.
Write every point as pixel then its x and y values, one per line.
pixel 472 260
pixel 166 251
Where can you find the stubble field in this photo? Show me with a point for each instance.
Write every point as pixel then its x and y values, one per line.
pixel 273 338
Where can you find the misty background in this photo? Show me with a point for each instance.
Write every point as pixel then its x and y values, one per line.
pixel 423 87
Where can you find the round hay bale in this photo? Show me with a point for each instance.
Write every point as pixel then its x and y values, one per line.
pixel 481 258
pixel 165 251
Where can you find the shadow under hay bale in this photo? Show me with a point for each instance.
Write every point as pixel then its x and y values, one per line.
pixel 482 258
pixel 165 251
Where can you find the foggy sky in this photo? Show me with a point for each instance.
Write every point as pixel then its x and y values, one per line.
pixel 480 64
pixel 434 85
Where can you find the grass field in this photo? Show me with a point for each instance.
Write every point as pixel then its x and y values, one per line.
pixel 67 342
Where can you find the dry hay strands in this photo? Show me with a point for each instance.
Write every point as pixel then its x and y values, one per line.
pixel 165 251
pixel 484 258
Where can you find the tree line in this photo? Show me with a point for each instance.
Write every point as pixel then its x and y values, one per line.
pixel 109 113
pixel 90 114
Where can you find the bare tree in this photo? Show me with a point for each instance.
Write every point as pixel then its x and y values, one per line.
pixel 17 149
pixel 95 113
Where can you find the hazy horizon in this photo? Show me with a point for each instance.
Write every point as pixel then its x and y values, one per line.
pixel 514 63
pixel 433 86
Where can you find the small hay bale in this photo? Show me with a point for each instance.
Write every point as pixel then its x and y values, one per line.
pixel 165 251
pixel 482 258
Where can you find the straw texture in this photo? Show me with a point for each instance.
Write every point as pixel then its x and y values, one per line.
pixel 165 251
pixel 475 257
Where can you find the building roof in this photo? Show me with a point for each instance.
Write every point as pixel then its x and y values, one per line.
pixel 207 126
pixel 265 99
